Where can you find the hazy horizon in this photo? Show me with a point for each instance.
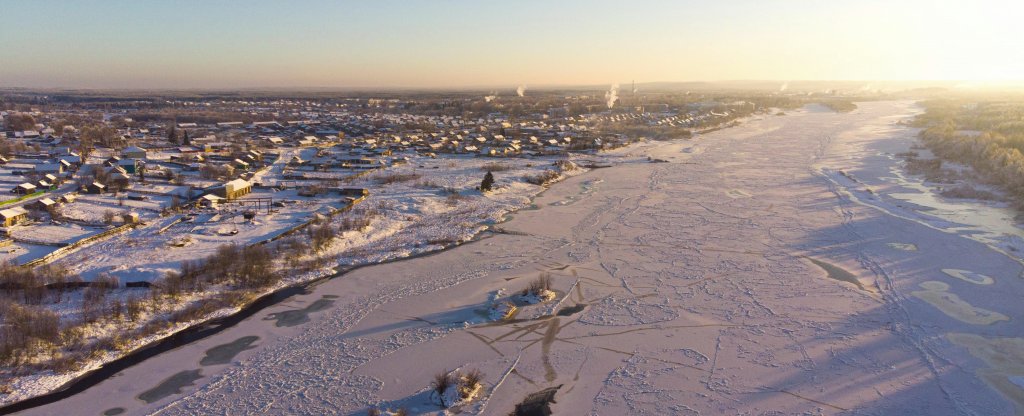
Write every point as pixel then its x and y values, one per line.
pixel 463 45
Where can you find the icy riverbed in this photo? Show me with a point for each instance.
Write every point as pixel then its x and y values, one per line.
pixel 736 278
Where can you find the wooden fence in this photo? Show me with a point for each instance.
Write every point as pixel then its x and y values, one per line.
pixel 311 221
pixel 63 251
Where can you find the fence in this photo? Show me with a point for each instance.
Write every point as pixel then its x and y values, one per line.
pixel 60 252
pixel 308 223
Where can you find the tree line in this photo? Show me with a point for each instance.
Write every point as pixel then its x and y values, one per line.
pixel 987 136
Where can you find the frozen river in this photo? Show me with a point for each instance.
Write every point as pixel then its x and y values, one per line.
pixel 737 278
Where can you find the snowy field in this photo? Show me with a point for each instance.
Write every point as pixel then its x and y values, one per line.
pixel 53 234
pixel 20 253
pixel 741 277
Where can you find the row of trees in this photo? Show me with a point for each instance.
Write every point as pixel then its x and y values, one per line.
pixel 30 333
pixel 19 122
pixel 989 137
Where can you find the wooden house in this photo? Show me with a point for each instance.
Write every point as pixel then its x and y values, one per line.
pixel 237 189
pixel 12 216
pixel 24 189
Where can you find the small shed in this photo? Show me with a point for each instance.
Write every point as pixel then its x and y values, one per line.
pixel 210 200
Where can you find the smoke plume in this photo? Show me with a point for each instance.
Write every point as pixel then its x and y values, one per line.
pixel 612 95
pixel 521 90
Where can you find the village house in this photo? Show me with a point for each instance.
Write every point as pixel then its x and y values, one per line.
pixel 112 161
pixel 54 168
pixel 43 204
pixel 12 216
pixel 131 166
pixel 95 188
pixel 237 188
pixel 54 180
pixel 24 189
pixel 44 184
pixel 134 152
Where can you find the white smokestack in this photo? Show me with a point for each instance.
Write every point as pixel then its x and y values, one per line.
pixel 521 90
pixel 612 95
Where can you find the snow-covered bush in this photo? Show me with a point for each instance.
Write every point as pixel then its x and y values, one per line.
pixel 542 178
pixel 566 165
pixel 539 290
pixel 455 388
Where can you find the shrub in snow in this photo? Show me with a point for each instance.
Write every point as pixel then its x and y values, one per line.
pixel 566 165
pixel 373 411
pixel 321 236
pixel 25 332
pixel 451 389
pixel 488 183
pixel 443 381
pixel 495 167
pixel 539 290
pixel 542 178
pixel 390 178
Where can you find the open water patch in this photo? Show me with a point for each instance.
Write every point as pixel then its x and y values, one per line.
pixel 837 273
pixel 171 386
pixel 224 353
pixel 299 316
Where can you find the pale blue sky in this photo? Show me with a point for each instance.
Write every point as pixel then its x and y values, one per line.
pixel 443 43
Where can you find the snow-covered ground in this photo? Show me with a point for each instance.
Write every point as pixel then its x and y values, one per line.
pixel 53 234
pixel 411 217
pixel 738 278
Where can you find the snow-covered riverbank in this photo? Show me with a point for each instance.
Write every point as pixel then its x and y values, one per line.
pixel 410 218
